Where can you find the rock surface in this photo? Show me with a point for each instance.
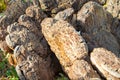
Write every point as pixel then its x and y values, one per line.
pixel 25 46
pixel 4 47
pixel 63 15
pixel 81 33
pixel 69 47
pixel 31 50
pixel 116 29
pixel 107 63
pixel 93 18
pixel 36 13
pixel 113 6
pixel 96 23
pixel 11 15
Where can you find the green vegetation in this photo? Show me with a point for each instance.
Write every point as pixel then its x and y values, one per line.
pixel 26 0
pixel 61 77
pixel 3 5
pixel 7 72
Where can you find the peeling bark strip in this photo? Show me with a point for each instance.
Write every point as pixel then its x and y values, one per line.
pixel 69 47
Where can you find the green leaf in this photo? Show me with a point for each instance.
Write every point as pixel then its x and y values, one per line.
pixel 14 78
pixel 2 65
pixel 13 71
pixel 2 6
pixel 8 73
